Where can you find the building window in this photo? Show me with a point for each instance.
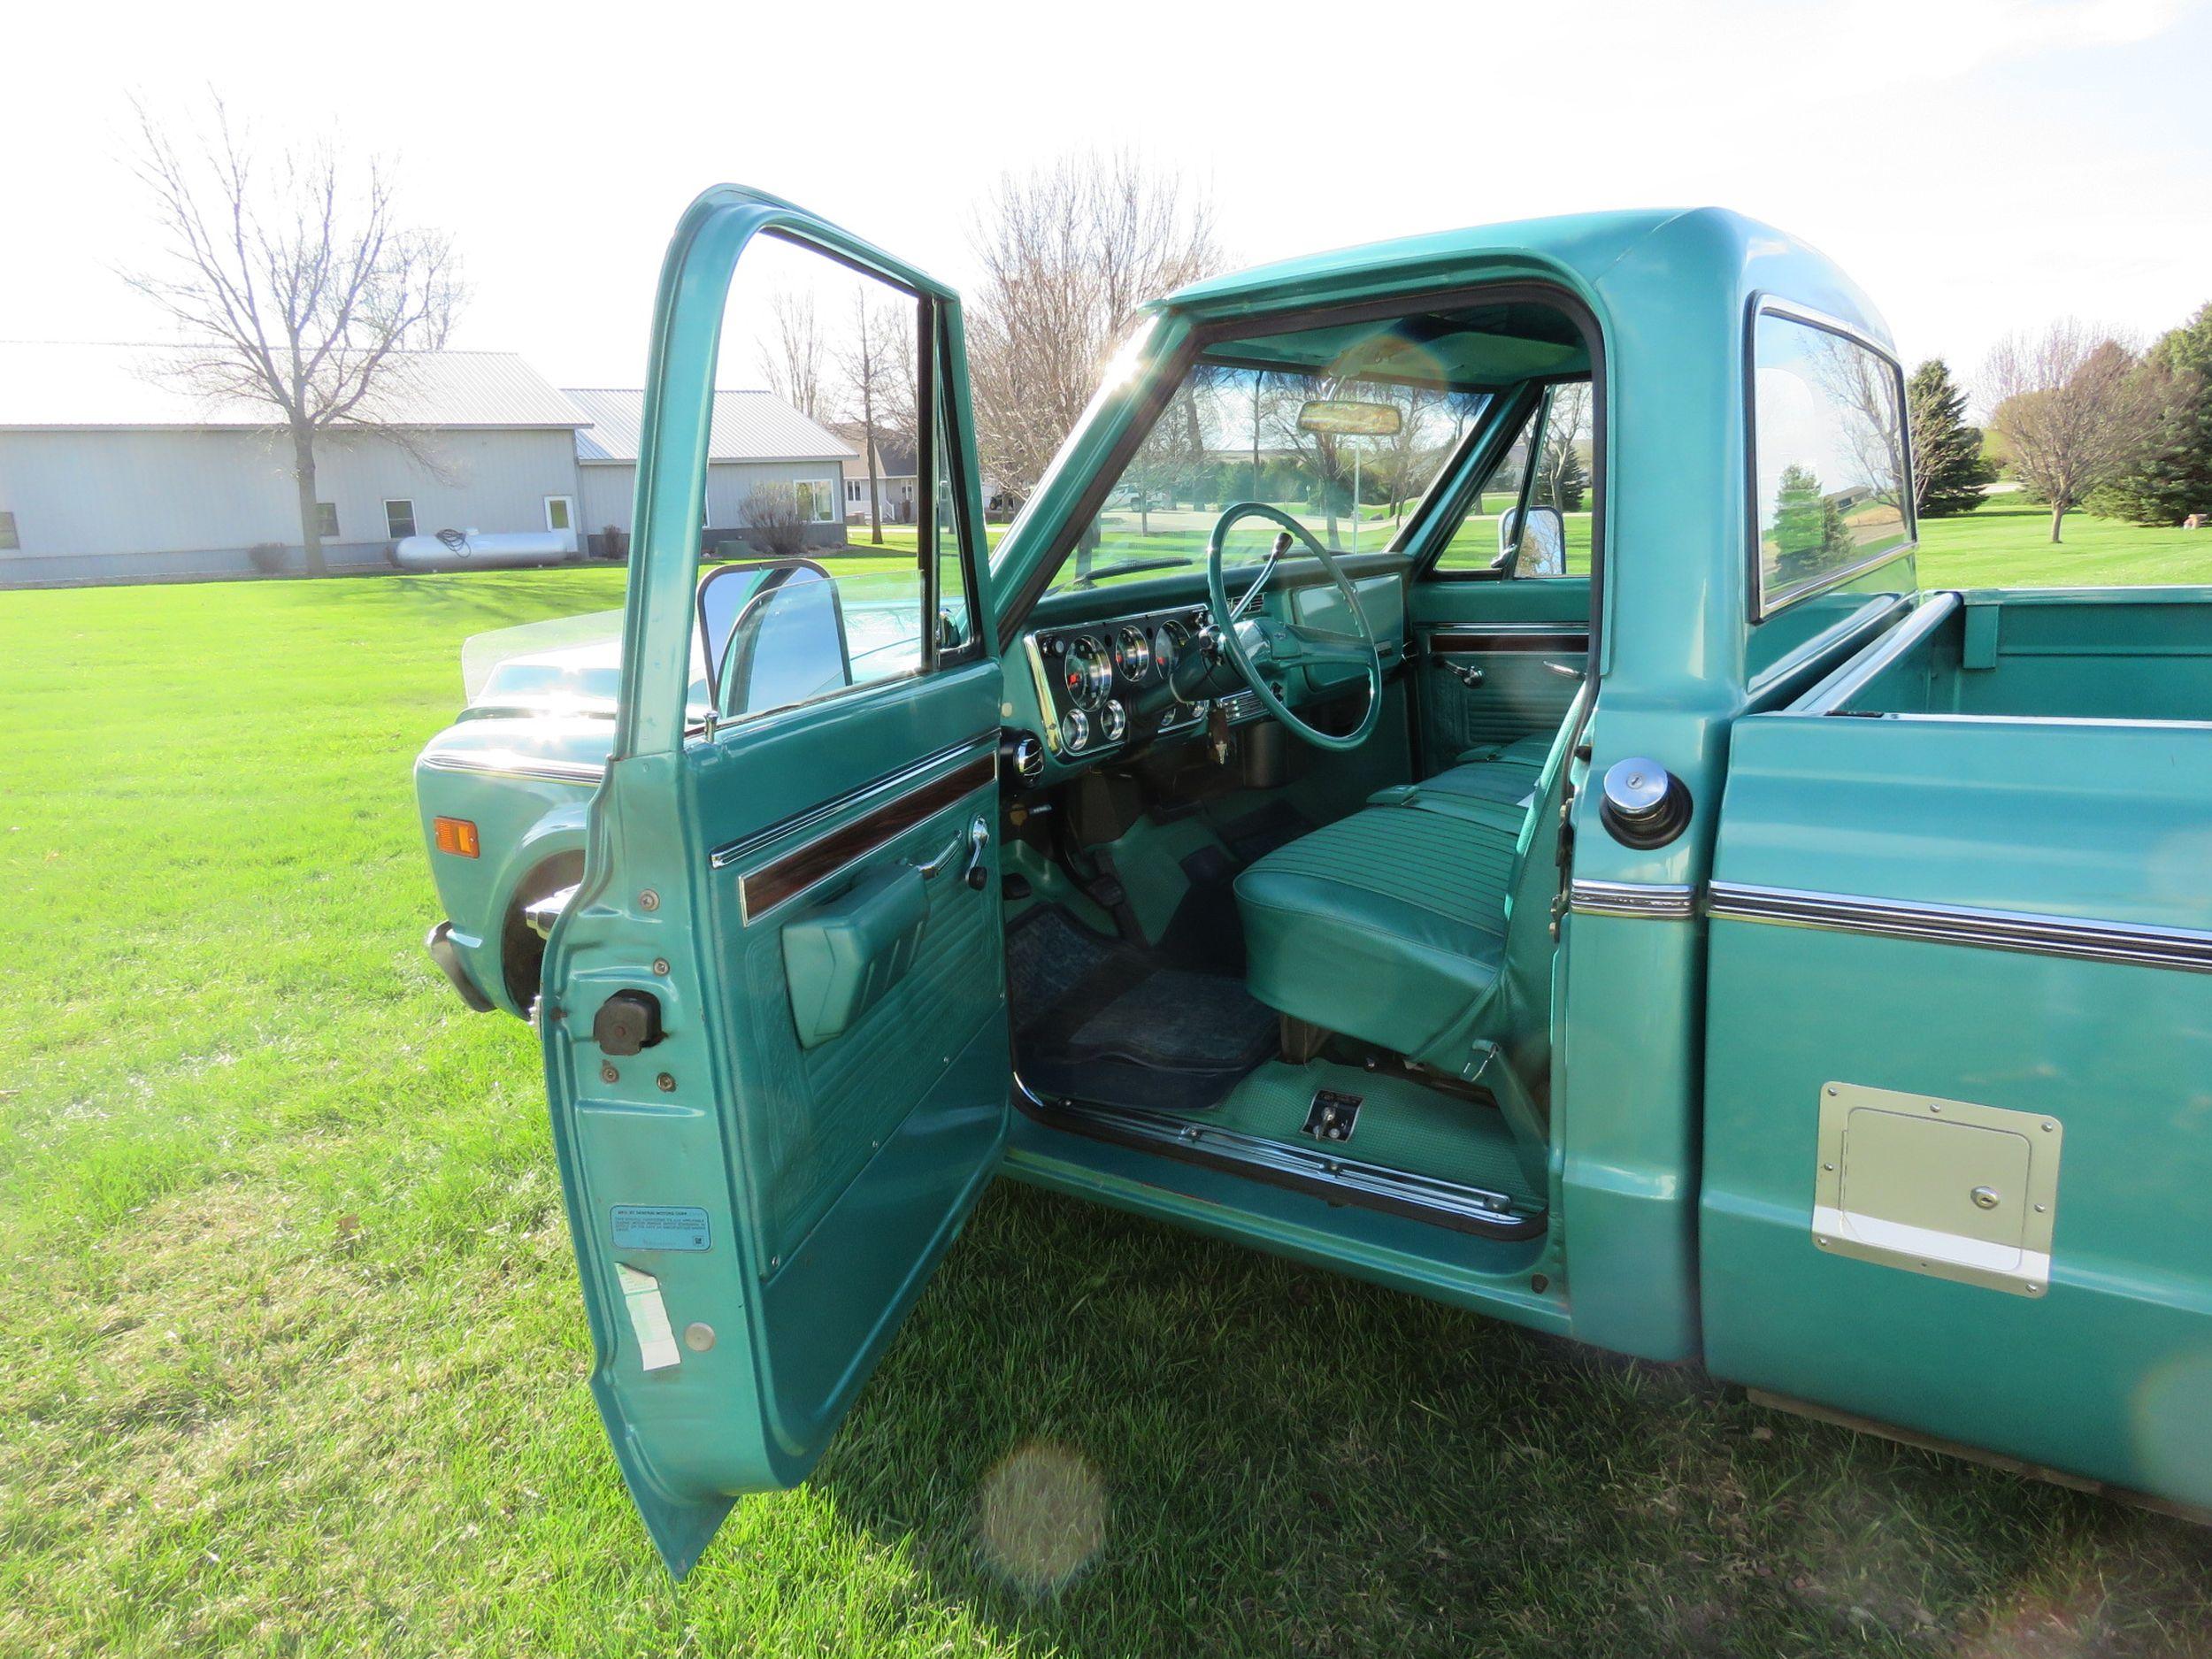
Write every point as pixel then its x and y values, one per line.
pixel 399 519
pixel 8 540
pixel 326 519
pixel 1832 494
pixel 560 513
pixel 852 490
pixel 818 500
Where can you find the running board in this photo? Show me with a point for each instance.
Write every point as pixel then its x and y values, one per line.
pixel 1326 1175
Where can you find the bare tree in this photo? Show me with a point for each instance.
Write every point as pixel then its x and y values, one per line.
pixel 2071 408
pixel 297 284
pixel 876 385
pixel 1068 252
pixel 793 354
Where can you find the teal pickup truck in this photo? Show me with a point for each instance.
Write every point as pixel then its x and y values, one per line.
pixel 1453 777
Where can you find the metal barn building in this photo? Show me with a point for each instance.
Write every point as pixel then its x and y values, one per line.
pixel 112 471
pixel 757 439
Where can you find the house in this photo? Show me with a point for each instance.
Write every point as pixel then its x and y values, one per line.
pixel 757 439
pixel 111 469
pixel 898 474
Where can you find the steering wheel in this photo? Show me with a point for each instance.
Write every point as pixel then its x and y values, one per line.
pixel 1268 652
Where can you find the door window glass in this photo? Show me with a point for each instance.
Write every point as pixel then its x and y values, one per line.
pixel 820 362
pixel 1561 497
pixel 1828 458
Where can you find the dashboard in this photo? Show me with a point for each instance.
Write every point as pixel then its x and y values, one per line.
pixel 1102 685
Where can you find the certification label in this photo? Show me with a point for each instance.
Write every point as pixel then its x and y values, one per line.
pixel 659 1227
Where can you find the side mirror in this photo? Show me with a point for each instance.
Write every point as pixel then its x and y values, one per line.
pixel 772 635
pixel 1543 550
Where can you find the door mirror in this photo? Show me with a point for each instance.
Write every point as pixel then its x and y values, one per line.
pixel 1543 550
pixel 774 636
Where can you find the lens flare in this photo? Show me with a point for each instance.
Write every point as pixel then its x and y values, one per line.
pixel 1041 1516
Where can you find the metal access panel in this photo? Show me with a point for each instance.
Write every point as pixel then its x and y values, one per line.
pixel 1944 1187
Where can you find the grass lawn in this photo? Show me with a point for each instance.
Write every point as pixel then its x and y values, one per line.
pixel 291 1357
pixel 2007 544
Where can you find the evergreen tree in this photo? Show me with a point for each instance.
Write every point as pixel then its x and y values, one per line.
pixel 1948 468
pixel 1803 522
pixel 2173 477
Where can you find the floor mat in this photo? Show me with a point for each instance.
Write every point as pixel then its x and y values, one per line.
pixel 1096 1019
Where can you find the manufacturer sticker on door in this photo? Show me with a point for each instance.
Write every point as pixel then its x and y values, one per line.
pixel 660 1227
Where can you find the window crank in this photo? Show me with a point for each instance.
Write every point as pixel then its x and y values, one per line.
pixel 977 841
pixel 1471 677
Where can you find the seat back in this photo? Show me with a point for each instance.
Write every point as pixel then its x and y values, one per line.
pixel 1530 949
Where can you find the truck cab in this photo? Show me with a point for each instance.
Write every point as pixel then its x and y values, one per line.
pixel 1452 778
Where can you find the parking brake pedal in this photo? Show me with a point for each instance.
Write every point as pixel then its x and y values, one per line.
pixel 1332 1116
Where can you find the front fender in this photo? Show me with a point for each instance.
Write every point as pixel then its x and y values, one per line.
pixel 524 817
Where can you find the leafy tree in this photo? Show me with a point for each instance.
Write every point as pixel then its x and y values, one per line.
pixel 1800 525
pixel 2170 477
pixel 1948 466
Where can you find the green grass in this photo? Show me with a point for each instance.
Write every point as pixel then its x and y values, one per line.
pixel 2007 544
pixel 291 1357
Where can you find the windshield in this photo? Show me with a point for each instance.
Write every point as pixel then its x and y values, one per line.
pixel 1349 456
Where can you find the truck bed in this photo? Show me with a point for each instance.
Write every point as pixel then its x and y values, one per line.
pixel 2140 653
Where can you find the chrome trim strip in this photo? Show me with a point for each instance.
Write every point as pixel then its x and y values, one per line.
pixel 1666 903
pixel 1869 619
pixel 2138 943
pixel 1401 1191
pixel 505 763
pixel 1830 695
pixel 729 852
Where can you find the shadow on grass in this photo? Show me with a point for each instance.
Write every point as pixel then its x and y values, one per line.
pixel 1107 1437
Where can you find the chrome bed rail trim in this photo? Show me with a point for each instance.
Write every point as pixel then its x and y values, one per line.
pixel 1832 694
pixel 1329 1175
pixel 729 852
pixel 2138 943
pixel 1659 902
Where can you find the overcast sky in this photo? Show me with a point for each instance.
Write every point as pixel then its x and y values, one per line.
pixel 1979 166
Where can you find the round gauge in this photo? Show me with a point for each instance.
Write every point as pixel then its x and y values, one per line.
pixel 1113 722
pixel 1132 655
pixel 1075 730
pixel 1167 640
pixel 1087 673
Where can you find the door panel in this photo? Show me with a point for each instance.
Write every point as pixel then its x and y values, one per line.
pixel 1512 640
pixel 774 1022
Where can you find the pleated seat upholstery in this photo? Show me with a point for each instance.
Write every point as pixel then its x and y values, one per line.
pixel 1392 925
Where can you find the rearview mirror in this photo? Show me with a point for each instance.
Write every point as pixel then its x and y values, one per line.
pixel 1349 418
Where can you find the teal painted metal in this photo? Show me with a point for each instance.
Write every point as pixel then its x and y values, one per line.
pixel 1685 1054
pixel 2109 1375
pixel 833 1177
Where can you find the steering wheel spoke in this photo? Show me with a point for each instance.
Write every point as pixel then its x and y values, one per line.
pixel 1265 649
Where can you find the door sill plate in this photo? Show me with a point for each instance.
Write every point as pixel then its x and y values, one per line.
pixel 1325 1174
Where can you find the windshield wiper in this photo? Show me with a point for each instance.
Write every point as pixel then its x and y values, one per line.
pixel 1129 568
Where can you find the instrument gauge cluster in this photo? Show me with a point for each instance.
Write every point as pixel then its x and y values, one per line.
pixel 1101 682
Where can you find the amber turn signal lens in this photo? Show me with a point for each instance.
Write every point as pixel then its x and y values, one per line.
pixel 455 835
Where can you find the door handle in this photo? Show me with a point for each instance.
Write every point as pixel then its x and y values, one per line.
pixel 1566 669
pixel 975 841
